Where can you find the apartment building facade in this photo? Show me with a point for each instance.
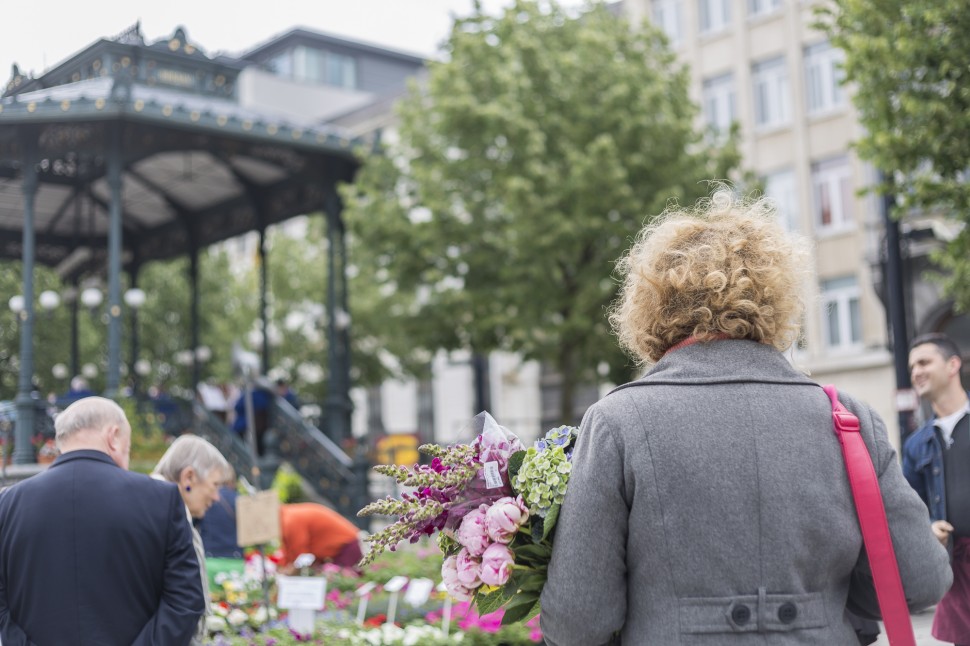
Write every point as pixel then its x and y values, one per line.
pixel 762 65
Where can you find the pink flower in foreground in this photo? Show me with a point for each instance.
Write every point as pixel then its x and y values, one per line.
pixel 504 518
pixel 471 533
pixel 469 569
pixel 497 564
pixel 449 574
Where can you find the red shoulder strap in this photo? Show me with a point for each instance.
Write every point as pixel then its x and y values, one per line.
pixel 872 521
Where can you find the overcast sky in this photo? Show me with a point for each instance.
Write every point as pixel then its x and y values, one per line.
pixel 38 35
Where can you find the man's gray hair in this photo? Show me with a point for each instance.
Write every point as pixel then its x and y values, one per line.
pixel 190 451
pixel 87 414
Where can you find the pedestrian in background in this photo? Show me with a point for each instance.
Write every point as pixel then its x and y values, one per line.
pixel 94 554
pixel 199 470
pixel 311 528
pixel 708 502
pixel 936 461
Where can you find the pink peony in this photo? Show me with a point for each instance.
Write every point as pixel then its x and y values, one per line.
pixel 497 564
pixel 471 533
pixel 468 569
pixel 504 518
pixel 449 574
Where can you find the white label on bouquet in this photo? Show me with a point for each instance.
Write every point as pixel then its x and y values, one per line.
pixel 493 479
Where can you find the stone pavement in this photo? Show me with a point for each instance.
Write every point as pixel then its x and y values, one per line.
pixel 922 622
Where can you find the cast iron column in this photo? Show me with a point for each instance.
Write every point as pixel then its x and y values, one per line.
pixel 194 312
pixel 338 390
pixel 75 352
pixel 23 450
pixel 263 306
pixel 133 347
pixel 114 265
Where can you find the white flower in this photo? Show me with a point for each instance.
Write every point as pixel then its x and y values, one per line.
pixel 215 624
pixel 237 617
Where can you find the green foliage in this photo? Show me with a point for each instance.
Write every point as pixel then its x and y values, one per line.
pixel 523 169
pixel 418 561
pixel 288 484
pixel 907 62
pixel 148 441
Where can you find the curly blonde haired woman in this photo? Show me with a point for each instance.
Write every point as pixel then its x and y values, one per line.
pixel 714 485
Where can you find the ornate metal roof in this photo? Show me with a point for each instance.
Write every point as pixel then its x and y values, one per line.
pixel 197 167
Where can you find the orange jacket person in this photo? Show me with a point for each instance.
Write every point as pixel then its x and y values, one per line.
pixel 310 528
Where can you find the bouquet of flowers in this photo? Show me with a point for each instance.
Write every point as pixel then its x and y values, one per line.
pixel 493 505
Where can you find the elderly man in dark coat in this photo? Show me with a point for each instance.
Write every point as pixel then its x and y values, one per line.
pixel 91 553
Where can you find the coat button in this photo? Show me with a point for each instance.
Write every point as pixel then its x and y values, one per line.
pixel 787 612
pixel 936 471
pixel 740 614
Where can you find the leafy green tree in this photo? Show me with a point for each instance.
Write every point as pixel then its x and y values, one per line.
pixel 228 304
pixel 907 62
pixel 522 169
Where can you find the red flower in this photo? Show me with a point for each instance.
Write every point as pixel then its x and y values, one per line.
pixel 375 621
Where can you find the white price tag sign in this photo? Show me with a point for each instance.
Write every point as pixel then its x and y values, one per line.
pixel 365 589
pixel 493 478
pixel 301 592
pixel 418 592
pixel 395 584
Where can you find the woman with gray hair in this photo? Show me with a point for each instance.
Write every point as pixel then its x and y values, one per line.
pixel 199 469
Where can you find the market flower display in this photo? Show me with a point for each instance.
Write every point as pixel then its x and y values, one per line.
pixel 493 505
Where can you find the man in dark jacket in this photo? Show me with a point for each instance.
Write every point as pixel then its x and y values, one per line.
pixel 91 553
pixel 935 462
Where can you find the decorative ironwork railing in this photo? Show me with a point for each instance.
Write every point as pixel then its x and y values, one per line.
pixel 334 475
pixel 213 429
pixel 323 464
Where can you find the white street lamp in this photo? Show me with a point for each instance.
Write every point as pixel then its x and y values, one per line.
pixel 143 367
pixel 135 298
pixel 89 370
pixel 16 304
pixel 184 357
pixel 91 297
pixel 59 370
pixel 49 300
pixel 203 353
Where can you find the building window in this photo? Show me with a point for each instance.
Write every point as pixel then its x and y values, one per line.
pixel 715 15
pixel 780 187
pixel 823 78
pixel 772 95
pixel 667 17
pixel 315 65
pixel 832 194
pixel 718 103
pixel 762 7
pixel 842 314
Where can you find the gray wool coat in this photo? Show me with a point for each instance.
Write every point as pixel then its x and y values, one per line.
pixel 711 506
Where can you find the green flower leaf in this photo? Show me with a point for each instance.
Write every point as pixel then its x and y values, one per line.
pixel 492 601
pixel 515 463
pixel 549 522
pixel 521 608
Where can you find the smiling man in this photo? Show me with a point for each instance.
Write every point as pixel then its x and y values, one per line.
pixel 936 462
